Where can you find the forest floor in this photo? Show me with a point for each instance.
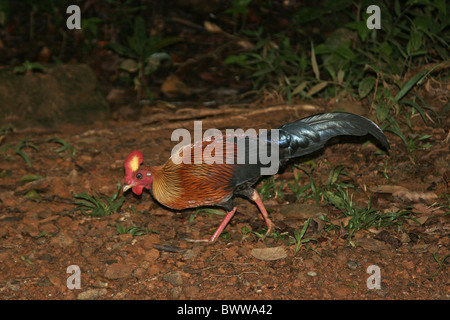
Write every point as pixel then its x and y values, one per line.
pixel 140 251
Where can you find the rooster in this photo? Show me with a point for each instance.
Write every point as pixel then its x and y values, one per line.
pixel 189 184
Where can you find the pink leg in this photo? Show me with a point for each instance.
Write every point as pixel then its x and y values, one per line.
pixel 219 230
pixel 269 223
pixel 222 226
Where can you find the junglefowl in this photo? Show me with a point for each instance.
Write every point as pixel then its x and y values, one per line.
pixel 189 184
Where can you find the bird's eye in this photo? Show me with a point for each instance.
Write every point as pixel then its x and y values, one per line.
pixel 139 176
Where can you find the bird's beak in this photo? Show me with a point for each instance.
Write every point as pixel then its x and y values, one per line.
pixel 128 186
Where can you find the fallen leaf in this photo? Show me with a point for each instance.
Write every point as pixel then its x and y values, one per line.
pixel 423 209
pixel 341 221
pixel 212 27
pixel 246 45
pixel 173 86
pixel 387 237
pixel 269 254
pixel 300 210
pixel 316 88
pixel 371 244
pixel 406 194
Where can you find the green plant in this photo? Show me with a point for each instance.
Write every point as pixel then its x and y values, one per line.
pixel 418 142
pixel 384 170
pixel 363 218
pixel 354 61
pixel 389 107
pixel 443 202
pixel 273 64
pixel 440 261
pixel 24 143
pixel 239 8
pixel 133 230
pixel 90 29
pixel 208 211
pixel 298 190
pixel 28 66
pixel 64 146
pixel 261 234
pixel 3 132
pixel 318 190
pixel 5 129
pixel 97 206
pixel 26 260
pixel 335 192
pixel 269 189
pixel 143 54
pixel 299 240
pixel 5 12
pixel 30 177
pixel 5 173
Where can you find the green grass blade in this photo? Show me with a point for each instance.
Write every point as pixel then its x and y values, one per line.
pixel 409 84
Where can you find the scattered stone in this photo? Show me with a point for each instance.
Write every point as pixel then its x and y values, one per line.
pixel 191 292
pixel 139 273
pixel 312 273
pixel 371 244
pixel 309 263
pixel 387 237
pixel 174 278
pixel 189 254
pixel 408 265
pixel 13 285
pixel 30 226
pixel 63 239
pixel 92 294
pixel 353 265
pixel 58 187
pixel 73 177
pixel 118 271
pixel 302 277
pixel 55 279
pixel 48 228
pixel 405 238
pixel 148 241
pixel 151 255
pixel 120 295
pixel 175 293
pixel 64 222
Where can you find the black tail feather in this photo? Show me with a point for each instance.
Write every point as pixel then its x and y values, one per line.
pixel 300 138
pixel 310 134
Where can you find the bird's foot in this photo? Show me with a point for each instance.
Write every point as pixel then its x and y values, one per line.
pixel 270 227
pixel 270 230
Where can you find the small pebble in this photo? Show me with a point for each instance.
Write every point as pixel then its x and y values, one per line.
pixel 353 265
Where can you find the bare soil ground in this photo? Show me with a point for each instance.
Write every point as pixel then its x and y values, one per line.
pixel 41 233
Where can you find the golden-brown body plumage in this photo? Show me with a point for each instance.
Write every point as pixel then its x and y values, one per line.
pixel 186 184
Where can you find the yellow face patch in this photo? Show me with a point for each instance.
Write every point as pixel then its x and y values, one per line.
pixel 134 163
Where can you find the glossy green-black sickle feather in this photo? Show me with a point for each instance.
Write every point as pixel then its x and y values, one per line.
pixel 310 134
